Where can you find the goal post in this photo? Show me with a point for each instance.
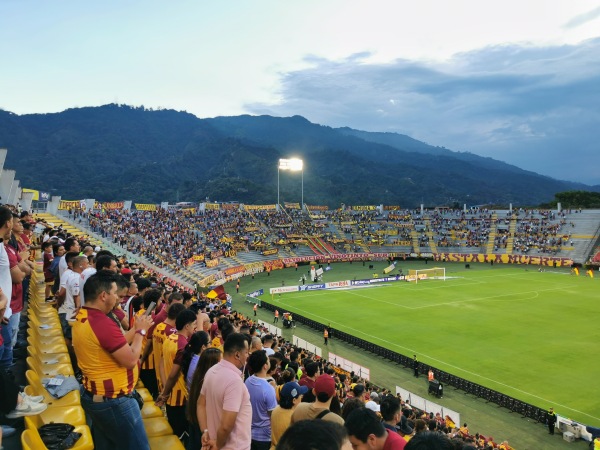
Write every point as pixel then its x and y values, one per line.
pixel 436 273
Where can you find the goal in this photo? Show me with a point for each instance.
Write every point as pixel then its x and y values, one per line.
pixel 437 273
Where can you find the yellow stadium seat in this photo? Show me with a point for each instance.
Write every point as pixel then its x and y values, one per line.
pixel 85 442
pixel 50 370
pixel 145 394
pixel 44 332
pixel 43 347
pixel 165 443
pixel 31 440
pixel 157 426
pixel 67 414
pixel 35 387
pixel 150 410
pixel 47 358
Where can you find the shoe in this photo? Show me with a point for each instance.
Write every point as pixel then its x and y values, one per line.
pixel 27 409
pixel 8 431
pixel 32 398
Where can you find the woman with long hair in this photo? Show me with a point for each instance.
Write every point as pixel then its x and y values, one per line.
pixel 199 341
pixel 208 358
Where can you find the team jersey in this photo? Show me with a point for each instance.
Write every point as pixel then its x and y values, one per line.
pixel 161 332
pixel 172 349
pixel 95 338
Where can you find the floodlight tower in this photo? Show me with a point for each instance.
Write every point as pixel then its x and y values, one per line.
pixel 293 165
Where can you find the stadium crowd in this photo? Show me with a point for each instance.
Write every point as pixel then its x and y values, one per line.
pixel 224 381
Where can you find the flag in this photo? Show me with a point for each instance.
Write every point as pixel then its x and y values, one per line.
pixel 218 292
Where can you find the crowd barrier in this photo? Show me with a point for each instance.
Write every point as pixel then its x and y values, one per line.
pixel 275 331
pixel 349 366
pixel 427 405
pixel 489 395
pixel 299 342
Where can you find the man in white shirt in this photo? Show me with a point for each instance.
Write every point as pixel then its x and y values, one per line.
pixel 71 245
pixel 70 289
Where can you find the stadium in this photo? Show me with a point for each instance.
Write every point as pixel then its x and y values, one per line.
pixel 500 305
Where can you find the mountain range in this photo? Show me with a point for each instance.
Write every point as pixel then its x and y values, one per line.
pixel 119 152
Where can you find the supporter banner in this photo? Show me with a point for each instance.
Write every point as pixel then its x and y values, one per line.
pixel 260 207
pixel 233 270
pixel 351 222
pixel 271 251
pixel 337 257
pixel 273 265
pixel 399 216
pixel 317 208
pixel 389 268
pixel 283 225
pixel 230 206
pixel 145 207
pixel 212 262
pixel 291 205
pixel 198 258
pixel 189 262
pixel 69 204
pixel 216 254
pixel 283 289
pixel 254 265
pixel 364 208
pixel 230 253
pixel 113 205
pixel 97 204
pixel 250 229
pixel 211 206
pixel 208 281
pixel 391 208
pixel 504 259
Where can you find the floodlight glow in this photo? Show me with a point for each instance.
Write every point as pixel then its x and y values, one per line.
pixel 294 165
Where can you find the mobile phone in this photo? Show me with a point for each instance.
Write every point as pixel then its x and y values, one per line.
pixel 150 309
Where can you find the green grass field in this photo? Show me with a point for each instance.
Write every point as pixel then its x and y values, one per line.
pixel 529 334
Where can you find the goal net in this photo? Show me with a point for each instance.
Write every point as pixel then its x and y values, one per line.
pixel 437 273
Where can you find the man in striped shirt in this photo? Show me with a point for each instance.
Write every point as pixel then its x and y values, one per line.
pixel 110 368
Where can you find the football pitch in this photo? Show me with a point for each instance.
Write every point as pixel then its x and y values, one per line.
pixel 528 334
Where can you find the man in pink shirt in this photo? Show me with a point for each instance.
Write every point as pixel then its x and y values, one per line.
pixel 225 411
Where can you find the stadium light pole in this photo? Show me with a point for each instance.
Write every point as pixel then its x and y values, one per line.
pixel 293 165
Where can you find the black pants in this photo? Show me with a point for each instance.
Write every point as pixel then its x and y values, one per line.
pixel 148 377
pixel 177 420
pixel 260 445
pixel 8 393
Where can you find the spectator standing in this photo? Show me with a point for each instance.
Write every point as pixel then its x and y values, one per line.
pixel 262 399
pixel 175 392
pixel 290 396
pixel 324 391
pixel 224 410
pixel 6 353
pixel 110 368
pixel 367 432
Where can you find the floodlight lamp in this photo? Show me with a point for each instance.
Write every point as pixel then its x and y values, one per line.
pixel 293 165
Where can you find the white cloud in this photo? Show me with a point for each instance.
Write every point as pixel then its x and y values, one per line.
pixel 528 106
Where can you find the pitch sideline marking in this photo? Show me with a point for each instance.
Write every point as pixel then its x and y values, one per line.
pixel 451 365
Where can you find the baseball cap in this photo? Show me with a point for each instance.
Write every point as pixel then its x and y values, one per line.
pixel 325 383
pixel 292 390
pixel 372 406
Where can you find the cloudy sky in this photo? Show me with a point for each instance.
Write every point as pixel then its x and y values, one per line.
pixel 515 80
